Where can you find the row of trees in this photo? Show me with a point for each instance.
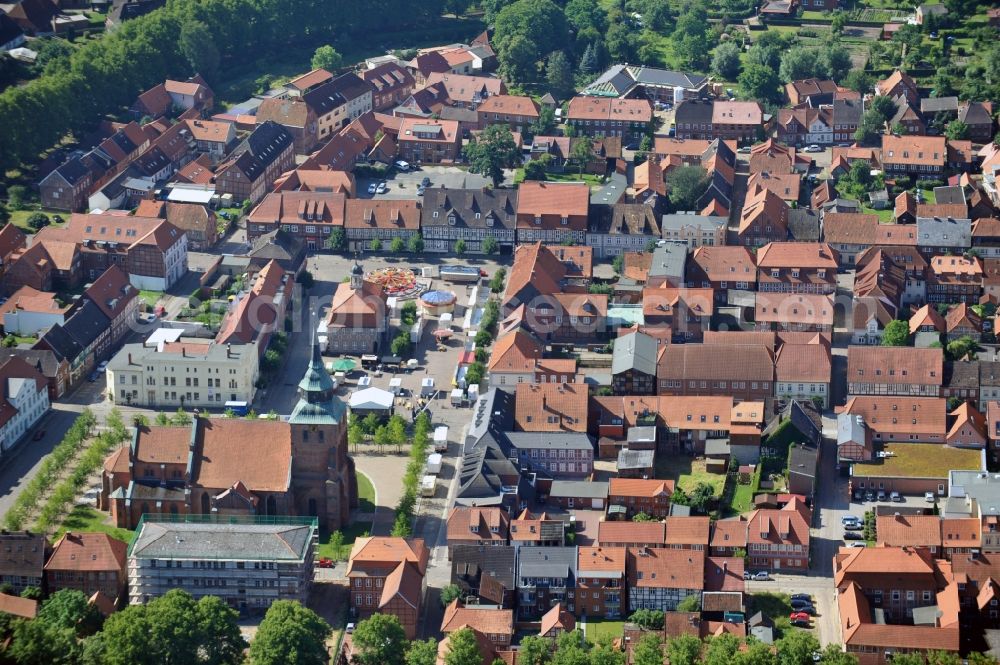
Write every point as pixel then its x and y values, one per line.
pixel 174 629
pixel 187 36
pixel 403 525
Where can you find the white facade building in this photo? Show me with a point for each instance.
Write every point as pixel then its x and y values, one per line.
pixel 24 400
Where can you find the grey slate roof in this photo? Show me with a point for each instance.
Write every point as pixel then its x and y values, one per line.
pixel 803 225
pixel 244 542
pixel 470 562
pixel 635 351
pixel 849 429
pixel 500 205
pixel 949 194
pixel 960 375
pixel 944 232
pixel 669 260
pixel 579 488
pixel 551 440
pixel 557 562
pixel 635 459
pixel 939 105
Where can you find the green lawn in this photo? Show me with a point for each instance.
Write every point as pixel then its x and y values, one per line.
pixel 776 606
pixel 688 473
pixel 929 196
pixel 604 628
pixel 366 494
pixel 884 216
pixel 918 460
pixel 589 178
pixel 23 340
pixel 20 217
pixel 742 500
pixel 151 297
pixel 85 518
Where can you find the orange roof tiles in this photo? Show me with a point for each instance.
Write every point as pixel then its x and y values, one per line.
pixel 913 150
pixel 551 407
pixel 687 530
pixel 662 568
pixel 727 263
pixel 883 364
pixel 391 550
pixel 487 620
pixel 602 559
pixel 604 108
pixel 796 255
pixel 639 487
pixel 564 199
pixel 622 533
pixel 80 552
pixel 908 530
pixel 516 351
pixel 901 415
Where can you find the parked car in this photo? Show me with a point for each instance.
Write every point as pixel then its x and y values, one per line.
pixel 799 603
pixel 806 609
pixel 798 616
pixel 869 495
pixel 855 544
pixel 801 596
pixel 762 576
pixel 103 365
pixel 882 495
pixel 895 497
pixel 350 628
pixel 402 165
pixel 426 182
pixel 420 190
pixel 744 150
pixel 324 563
pixel 802 623
pixel 372 188
pixel 382 188
pixel 852 526
pixel 853 535
pixel 849 518
pixel 813 148
pixel 929 497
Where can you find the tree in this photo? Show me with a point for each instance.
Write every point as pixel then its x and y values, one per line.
pixel 908 659
pixel 337 239
pixel 721 649
pixel 559 76
pixel 870 127
pixel 726 61
pixel 475 374
pixel 545 124
pixel 397 245
pixel 581 152
pixel 520 32
pixel 648 619
pixel 620 40
pixel 493 151
pixel 37 220
pixel 450 593
pixel 649 651
pixel 588 61
pixel 685 185
pixel 68 608
pixel 400 345
pixel 306 279
pixel 375 245
pixel 4 213
pixel 355 435
pixel 956 130
pixel 642 517
pixel 838 23
pixel 291 633
pixel 834 654
pixel 684 650
pixel 605 653
pixel 460 246
pixel 379 640
pixel 858 79
pixel 796 647
pixel 884 107
pixel 834 61
pixel 618 264
pixel 397 430
pixel 162 419
pixel 422 652
pixel 799 62
pixel 896 333
pixel 415 244
pixel 490 245
pixel 535 650
pixel 759 82
pixel 180 418
pixel 463 648
pixel 198 46
pixel 370 423
pixel 327 57
pixel 691 603
pixel 497 281
pixel 961 348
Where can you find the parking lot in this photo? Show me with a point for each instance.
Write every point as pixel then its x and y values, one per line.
pixel 404 184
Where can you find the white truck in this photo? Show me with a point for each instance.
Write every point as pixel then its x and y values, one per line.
pixel 428 486
pixel 433 464
pixel 441 439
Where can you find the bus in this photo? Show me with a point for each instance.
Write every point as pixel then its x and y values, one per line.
pixel 239 408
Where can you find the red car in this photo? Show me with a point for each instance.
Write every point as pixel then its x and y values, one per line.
pixel 795 617
pixel 325 563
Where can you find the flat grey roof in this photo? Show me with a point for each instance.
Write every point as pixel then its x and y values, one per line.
pixel 557 440
pixel 239 542
pixel 582 488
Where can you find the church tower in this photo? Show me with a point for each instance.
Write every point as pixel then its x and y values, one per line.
pixel 357 276
pixel 323 481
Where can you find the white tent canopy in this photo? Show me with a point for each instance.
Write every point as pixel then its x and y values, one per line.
pixel 371 399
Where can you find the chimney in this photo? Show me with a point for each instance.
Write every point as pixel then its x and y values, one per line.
pixel 130 358
pixel 229 348
pixel 184 351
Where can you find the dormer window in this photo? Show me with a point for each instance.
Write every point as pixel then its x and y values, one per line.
pixel 564 221
pixel 451 219
pixel 474 528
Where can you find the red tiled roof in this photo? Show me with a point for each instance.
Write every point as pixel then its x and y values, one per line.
pixel 551 407
pixel 80 552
